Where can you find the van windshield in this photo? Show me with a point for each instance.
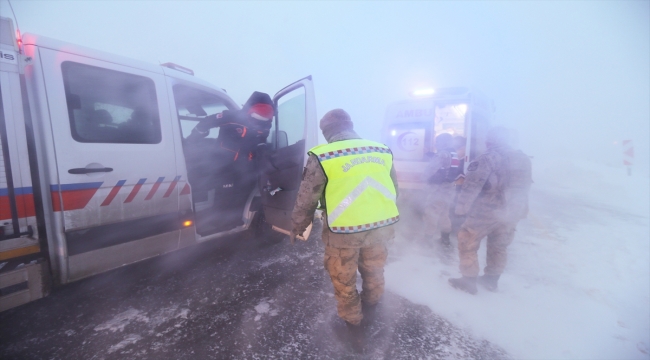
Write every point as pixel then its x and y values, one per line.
pixel 193 105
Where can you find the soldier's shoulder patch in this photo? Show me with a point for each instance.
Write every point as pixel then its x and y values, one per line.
pixel 472 166
pixel 219 115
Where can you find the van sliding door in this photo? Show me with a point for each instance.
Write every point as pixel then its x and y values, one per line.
pixel 117 190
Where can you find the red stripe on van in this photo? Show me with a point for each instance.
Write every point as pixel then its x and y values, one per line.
pixel 72 199
pixel 135 190
pixel 186 190
pixel 113 193
pixel 56 203
pixel 171 187
pixel 73 196
pixel 155 187
pixel 24 206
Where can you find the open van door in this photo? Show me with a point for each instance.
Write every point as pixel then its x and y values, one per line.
pixel 293 133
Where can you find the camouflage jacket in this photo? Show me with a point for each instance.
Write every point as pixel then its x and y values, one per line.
pixel 310 192
pixel 490 183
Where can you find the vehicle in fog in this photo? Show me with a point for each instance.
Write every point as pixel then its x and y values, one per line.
pixel 411 126
pixel 96 170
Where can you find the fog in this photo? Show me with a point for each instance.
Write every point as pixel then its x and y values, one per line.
pixel 572 78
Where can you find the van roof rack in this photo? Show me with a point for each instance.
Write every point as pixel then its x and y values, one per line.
pixel 178 68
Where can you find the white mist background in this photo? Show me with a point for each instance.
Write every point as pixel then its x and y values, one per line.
pixel 572 78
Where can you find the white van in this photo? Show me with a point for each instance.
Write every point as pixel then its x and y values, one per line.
pixel 96 171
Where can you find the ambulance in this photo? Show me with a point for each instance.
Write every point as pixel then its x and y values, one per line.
pixel 411 126
pixel 96 171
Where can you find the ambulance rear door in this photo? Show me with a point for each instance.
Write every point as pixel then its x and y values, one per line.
pixel 294 132
pixel 117 187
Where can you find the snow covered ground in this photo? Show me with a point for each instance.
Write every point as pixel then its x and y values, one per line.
pixel 577 285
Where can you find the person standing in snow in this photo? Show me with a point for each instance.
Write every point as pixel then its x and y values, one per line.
pixel 441 172
pixel 356 185
pixel 493 197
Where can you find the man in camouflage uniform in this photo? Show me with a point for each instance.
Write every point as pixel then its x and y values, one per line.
pixel 494 197
pixel 344 253
pixel 441 172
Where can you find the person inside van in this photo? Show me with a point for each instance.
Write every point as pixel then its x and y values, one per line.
pixel 227 164
pixel 240 130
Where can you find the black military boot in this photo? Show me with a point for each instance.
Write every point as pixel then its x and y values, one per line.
pixel 444 239
pixel 369 313
pixel 489 281
pixel 350 335
pixel 465 283
pixel 356 337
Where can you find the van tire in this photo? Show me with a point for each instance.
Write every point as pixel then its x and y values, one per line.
pixel 263 232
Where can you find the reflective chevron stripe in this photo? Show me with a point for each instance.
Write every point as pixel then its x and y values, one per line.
pixel 355 193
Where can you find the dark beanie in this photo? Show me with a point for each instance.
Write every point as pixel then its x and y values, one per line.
pixel 335 121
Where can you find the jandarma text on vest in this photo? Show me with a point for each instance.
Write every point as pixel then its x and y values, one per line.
pixel 362 160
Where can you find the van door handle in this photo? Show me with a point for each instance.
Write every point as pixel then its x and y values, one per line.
pixel 88 171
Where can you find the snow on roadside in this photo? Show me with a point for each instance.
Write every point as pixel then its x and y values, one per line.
pixel 578 280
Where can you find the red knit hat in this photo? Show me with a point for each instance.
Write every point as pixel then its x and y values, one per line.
pixel 261 112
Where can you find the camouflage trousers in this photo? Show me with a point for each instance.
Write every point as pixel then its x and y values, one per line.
pixel 342 265
pixel 499 236
pixel 436 210
pixel 436 218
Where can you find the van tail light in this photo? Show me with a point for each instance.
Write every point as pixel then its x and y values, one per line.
pixel 19 42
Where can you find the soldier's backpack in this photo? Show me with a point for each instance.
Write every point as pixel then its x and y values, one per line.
pixel 516 184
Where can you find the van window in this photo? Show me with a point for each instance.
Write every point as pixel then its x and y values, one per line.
pixel 107 106
pixel 292 113
pixel 450 118
pixel 193 105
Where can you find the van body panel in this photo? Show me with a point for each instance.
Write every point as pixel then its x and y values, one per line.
pixel 100 260
pixel 44 42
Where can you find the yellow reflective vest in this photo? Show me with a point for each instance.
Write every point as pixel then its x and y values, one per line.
pixel 359 194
